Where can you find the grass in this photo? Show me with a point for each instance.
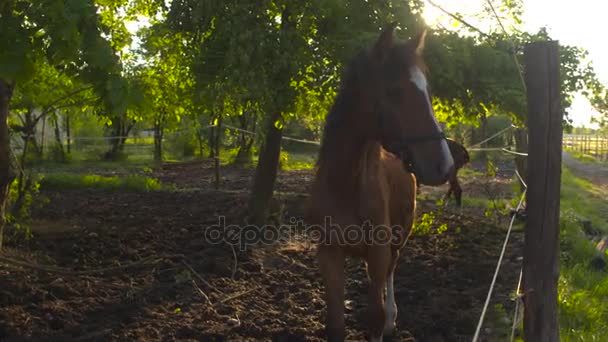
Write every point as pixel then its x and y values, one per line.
pixel 585 199
pixel 94 166
pixel 583 292
pixel 299 161
pixel 70 181
pixel 585 158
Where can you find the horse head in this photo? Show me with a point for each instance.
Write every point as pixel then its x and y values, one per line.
pixel 393 93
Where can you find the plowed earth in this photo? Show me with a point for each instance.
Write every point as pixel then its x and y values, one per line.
pixel 135 266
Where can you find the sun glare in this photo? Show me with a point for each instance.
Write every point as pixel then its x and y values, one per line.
pixel 432 16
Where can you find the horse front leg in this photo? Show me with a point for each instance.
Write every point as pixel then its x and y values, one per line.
pixel 378 263
pixel 390 305
pixel 457 191
pixel 331 265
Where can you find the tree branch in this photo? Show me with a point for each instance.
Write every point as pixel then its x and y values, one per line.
pixel 52 105
pixel 458 18
pixel 67 105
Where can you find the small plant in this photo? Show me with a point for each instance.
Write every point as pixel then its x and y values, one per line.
pixel 425 224
pixel 496 207
pixel 283 160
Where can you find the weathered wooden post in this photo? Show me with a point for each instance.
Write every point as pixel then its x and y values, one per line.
pixel 541 247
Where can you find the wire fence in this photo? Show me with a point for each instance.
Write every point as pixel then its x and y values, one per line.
pixel 177 145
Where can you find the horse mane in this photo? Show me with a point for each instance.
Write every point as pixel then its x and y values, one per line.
pixel 342 107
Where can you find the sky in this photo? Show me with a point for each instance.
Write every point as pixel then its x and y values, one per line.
pixel 579 23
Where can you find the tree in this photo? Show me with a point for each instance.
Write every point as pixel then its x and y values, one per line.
pixel 64 34
pixel 167 78
pixel 49 93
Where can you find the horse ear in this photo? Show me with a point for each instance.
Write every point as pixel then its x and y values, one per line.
pixel 419 41
pixel 385 41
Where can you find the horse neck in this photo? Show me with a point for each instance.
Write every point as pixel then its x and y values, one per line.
pixel 346 161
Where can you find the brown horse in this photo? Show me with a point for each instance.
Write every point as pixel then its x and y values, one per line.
pixel 380 134
pixel 461 158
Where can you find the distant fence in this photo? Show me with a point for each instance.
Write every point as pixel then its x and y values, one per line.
pixel 595 145
pixel 181 144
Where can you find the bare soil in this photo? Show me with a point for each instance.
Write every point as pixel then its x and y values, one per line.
pixel 135 266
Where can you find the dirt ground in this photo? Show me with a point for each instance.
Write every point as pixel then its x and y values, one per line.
pixel 118 266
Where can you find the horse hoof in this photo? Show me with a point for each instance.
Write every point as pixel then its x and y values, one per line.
pixel 389 329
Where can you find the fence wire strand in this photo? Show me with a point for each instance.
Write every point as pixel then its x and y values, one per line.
pixel 497 270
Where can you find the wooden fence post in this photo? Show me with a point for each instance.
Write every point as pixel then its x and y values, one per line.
pixel 541 247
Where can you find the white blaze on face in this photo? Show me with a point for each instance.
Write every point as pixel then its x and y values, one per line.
pixel 419 80
pixel 417 77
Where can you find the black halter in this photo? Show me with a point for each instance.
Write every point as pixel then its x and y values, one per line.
pixel 401 146
pixel 404 143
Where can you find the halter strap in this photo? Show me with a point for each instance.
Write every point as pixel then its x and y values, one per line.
pixel 402 144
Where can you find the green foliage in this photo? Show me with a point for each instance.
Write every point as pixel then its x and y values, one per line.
pixel 424 225
pixel 68 36
pixel 69 181
pixel 283 159
pixel 20 200
pixel 181 144
pixel 299 161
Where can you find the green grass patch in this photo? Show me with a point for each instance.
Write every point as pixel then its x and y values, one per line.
pixel 585 199
pixel 467 172
pixel 69 181
pixel 298 160
pixel 94 166
pixel 585 158
pixel 583 292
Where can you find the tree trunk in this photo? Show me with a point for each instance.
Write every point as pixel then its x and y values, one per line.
pixel 68 134
pixel 265 174
pixel 42 136
pixel 60 150
pixel 199 139
pixel 118 139
pixel 268 163
pixel 6 174
pixel 243 155
pixel 216 147
pixel 212 133
pixel 158 141
pixel 29 133
pixel 24 181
